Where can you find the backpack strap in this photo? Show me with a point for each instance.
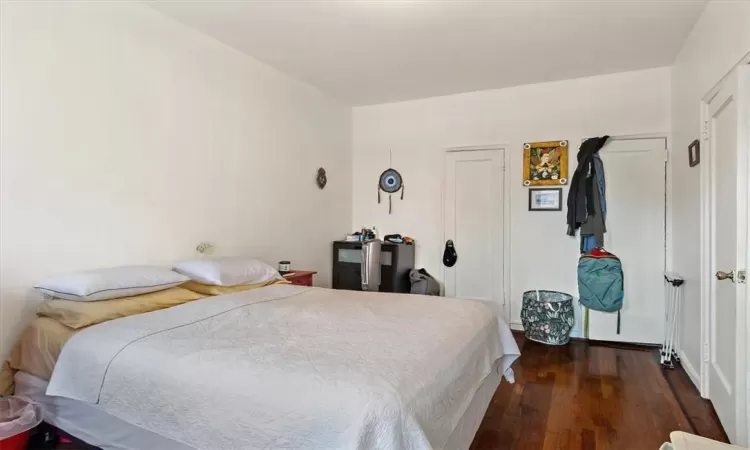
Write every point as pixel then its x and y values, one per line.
pixel 618 322
pixel 585 322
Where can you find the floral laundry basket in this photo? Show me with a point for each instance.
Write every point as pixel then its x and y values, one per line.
pixel 548 316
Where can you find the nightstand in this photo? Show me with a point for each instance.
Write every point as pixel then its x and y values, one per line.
pixel 300 277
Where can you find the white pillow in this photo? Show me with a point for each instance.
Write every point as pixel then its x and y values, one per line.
pixel 114 282
pixel 228 271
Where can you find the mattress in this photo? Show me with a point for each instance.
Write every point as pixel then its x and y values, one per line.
pixel 292 367
pixel 88 423
pixel 95 427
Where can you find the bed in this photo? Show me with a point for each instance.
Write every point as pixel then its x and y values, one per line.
pixel 281 367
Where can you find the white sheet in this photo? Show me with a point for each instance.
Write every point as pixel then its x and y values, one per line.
pixel 88 423
pixel 97 428
pixel 291 367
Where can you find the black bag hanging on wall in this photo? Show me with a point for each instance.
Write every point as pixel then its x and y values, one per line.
pixel 449 255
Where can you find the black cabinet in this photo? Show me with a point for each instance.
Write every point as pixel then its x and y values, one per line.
pixel 395 262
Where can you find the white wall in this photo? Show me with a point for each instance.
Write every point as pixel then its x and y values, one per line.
pixel 720 38
pixel 418 132
pixel 127 138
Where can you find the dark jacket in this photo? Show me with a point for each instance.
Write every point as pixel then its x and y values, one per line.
pixel 581 195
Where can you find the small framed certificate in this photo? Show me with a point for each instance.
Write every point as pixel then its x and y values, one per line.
pixel 545 199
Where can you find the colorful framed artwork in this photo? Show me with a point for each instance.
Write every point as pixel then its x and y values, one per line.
pixel 545 163
pixel 545 199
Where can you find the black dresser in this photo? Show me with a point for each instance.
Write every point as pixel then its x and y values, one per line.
pixel 395 262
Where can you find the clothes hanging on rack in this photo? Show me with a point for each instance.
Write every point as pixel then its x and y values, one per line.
pixel 587 209
pixel 581 201
pixel 600 183
pixel 590 240
pixel 594 224
pixel 588 243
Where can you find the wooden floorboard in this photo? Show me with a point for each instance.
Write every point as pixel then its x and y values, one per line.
pixel 591 396
pixel 700 412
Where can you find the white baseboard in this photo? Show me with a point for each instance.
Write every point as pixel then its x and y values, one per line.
pixel 693 374
pixel 518 326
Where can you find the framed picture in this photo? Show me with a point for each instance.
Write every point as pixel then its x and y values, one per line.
pixel 545 199
pixel 545 163
pixel 694 153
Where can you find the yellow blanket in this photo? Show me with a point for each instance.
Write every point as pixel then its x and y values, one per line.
pixel 207 289
pixel 36 352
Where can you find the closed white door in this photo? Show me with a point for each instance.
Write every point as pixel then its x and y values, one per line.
pixel 727 128
pixel 635 182
pixel 474 208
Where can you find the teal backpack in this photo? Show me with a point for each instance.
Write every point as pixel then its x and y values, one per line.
pixel 601 283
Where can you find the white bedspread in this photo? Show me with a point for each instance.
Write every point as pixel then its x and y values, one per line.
pixel 291 367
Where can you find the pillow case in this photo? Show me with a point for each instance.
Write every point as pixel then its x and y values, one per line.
pixel 77 315
pixel 228 271
pixel 209 289
pixel 114 282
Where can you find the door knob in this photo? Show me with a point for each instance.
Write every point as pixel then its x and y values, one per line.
pixel 725 276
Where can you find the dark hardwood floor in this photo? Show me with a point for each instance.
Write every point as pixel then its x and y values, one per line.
pixel 592 397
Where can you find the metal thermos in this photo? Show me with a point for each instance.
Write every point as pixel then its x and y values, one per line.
pixel 371 265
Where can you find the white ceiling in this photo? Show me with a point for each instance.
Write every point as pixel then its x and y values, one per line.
pixel 376 51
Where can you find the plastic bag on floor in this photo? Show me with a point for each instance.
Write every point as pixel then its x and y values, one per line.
pixel 423 283
pixel 18 414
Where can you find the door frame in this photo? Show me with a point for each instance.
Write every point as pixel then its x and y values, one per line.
pixel 706 239
pixel 746 106
pixel 506 216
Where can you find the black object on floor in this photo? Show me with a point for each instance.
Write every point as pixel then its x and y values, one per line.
pixel 49 437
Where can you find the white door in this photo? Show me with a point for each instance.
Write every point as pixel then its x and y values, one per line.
pixel 474 211
pixel 635 182
pixel 727 129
